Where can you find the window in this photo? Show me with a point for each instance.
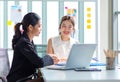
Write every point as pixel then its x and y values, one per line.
pixel 24 7
pixel 90 22
pixel 38 10
pixel 1 24
pixel 52 19
pixel 71 8
pixel 51 11
pixel 10 26
pixel 116 27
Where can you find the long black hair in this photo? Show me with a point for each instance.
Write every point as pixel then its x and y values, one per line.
pixel 29 19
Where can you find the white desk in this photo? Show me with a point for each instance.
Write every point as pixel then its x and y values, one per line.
pixel 73 76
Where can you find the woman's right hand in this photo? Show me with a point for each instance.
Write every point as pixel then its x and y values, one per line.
pixel 63 59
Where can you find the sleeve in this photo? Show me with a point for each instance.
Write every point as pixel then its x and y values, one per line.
pixel 28 50
pixel 47 60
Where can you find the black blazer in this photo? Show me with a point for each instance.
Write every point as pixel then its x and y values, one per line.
pixel 25 60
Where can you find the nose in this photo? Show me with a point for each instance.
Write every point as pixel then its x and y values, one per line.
pixel 40 26
pixel 66 28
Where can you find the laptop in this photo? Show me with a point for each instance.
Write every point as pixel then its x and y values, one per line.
pixel 80 56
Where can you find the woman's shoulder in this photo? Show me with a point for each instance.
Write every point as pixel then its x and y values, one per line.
pixel 23 41
pixel 55 38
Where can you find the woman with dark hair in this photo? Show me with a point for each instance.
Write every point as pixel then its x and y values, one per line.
pixel 26 60
pixel 60 45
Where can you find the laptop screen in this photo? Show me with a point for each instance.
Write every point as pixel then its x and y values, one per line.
pixel 80 55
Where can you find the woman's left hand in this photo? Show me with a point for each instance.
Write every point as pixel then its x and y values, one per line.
pixel 55 59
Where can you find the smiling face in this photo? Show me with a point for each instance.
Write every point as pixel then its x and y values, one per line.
pixel 66 28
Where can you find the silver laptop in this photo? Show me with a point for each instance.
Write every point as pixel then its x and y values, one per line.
pixel 79 57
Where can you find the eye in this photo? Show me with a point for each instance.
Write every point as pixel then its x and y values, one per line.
pixel 70 26
pixel 63 26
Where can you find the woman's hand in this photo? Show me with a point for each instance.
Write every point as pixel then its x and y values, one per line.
pixel 63 59
pixel 55 58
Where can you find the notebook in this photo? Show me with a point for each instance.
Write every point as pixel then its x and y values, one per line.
pixel 79 57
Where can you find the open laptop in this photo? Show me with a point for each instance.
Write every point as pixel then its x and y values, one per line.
pixel 79 57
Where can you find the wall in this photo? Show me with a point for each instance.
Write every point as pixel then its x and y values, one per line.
pixel 105 27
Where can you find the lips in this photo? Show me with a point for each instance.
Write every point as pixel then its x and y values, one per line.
pixel 66 32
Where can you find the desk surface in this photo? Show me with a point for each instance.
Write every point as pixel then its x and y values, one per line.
pixel 80 76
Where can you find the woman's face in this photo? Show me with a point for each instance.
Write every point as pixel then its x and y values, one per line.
pixel 37 29
pixel 66 28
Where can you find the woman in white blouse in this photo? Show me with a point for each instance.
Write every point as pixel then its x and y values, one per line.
pixel 61 45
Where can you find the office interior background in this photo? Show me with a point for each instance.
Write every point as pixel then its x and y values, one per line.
pixel 97 22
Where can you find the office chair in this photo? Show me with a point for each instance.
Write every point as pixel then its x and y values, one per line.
pixel 4 64
pixel 41 49
pixel 2 79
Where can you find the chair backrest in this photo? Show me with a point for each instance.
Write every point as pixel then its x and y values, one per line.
pixel 4 63
pixel 2 79
pixel 41 49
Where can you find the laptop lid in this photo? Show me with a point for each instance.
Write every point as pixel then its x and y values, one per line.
pixel 80 55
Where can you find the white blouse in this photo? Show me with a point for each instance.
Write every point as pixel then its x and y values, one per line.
pixel 62 48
